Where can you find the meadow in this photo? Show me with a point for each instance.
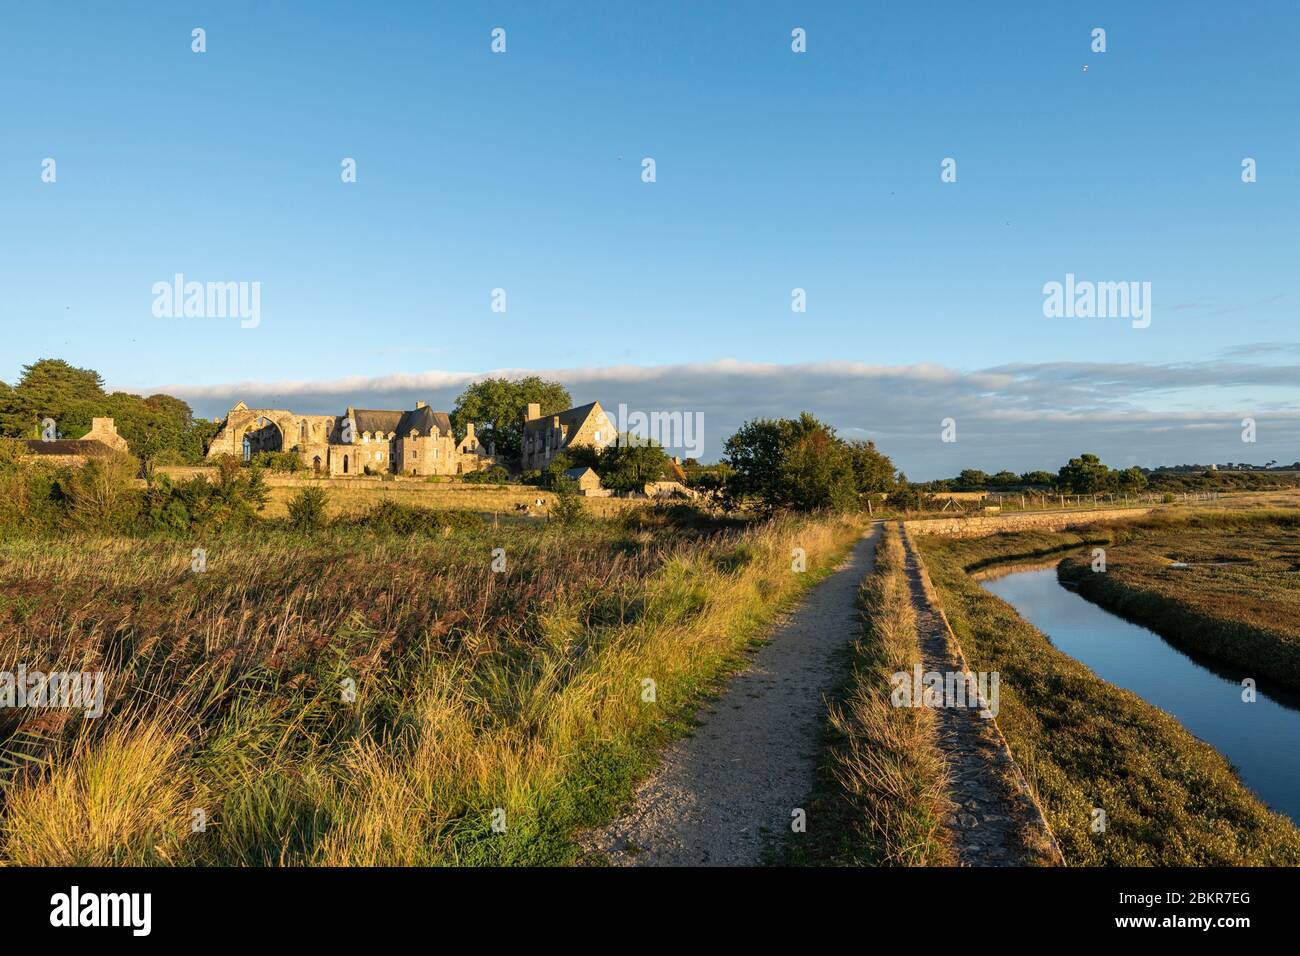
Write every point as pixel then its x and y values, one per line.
pixel 356 695
pixel 1170 799
pixel 1225 583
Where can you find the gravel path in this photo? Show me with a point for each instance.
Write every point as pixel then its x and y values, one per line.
pixel 722 795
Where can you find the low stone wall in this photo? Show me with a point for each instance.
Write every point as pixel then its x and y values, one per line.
pixel 977 526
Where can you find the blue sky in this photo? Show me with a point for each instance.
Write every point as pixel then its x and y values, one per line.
pixel 775 170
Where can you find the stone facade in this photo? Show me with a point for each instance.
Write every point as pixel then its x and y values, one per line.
pixel 545 436
pixel 418 441
pixel 102 439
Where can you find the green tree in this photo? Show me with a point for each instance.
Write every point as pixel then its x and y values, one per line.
pixel 1130 480
pixel 1084 475
pixel 802 464
pixel 1041 478
pixel 972 479
pixel 496 406
pixel 629 468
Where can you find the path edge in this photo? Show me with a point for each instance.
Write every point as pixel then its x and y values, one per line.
pixel 1037 816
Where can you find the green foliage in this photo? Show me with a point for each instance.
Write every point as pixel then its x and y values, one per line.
pixel 99 493
pixel 231 502
pixel 496 407
pixel 801 464
pixel 629 467
pixel 281 461
pixel 496 475
pixel 159 428
pixel 307 509
pixel 553 475
pixel 394 518
pixel 567 509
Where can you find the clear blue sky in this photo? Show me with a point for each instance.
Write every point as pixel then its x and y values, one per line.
pixel 522 171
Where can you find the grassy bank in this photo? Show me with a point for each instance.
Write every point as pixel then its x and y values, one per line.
pixel 1169 799
pixel 880 789
pixel 359 697
pixel 1238 599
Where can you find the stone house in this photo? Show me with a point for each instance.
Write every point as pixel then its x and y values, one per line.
pixel 545 436
pixel 102 439
pixel 418 441
pixel 585 478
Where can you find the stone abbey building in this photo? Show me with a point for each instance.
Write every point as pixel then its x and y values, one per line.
pixel 360 441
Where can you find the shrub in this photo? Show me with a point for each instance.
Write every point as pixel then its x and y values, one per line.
pixel 567 509
pixel 307 509
pixel 496 475
pixel 100 496
pixel 277 461
pixel 411 519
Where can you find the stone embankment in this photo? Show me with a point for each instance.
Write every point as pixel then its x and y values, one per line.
pixel 977 526
pixel 994 818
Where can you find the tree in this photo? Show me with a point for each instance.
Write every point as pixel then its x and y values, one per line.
pixel 802 464
pixel 873 472
pixel 1004 479
pixel 1041 478
pixel 496 406
pixel 1084 475
pixel 972 479
pixel 629 468
pixel 1131 480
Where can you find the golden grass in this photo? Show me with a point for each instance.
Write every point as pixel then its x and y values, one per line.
pixel 886 759
pixel 474 690
pixel 119 799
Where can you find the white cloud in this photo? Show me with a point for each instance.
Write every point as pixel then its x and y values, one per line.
pixel 1019 416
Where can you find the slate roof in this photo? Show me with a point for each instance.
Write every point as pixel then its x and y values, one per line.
pixel 388 421
pixel 571 417
pixel 67 446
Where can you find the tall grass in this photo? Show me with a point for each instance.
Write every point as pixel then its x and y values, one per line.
pixel 885 759
pixel 356 696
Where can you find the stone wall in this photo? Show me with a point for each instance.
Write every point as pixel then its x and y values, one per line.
pixel 977 526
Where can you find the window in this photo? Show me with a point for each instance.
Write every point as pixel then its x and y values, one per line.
pixel 597 436
pixel 414 454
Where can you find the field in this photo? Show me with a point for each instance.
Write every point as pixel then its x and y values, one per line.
pixel 350 496
pixel 1084 743
pixel 1238 597
pixel 352 696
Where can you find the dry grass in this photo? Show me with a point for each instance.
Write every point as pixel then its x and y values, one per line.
pixel 474 690
pixel 886 759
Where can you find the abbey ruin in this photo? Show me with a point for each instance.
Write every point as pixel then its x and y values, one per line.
pixel 360 441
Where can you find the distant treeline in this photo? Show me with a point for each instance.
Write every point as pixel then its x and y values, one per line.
pixel 1087 475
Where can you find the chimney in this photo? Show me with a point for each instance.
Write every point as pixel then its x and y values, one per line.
pixel 420 405
pixel 534 411
pixel 469 429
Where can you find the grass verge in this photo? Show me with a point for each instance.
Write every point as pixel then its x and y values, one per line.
pixel 880 794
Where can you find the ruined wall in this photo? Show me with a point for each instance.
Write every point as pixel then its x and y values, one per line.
pixel 977 526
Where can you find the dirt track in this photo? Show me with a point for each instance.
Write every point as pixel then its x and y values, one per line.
pixel 723 795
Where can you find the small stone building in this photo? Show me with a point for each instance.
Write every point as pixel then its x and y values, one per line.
pixel 585 478
pixel 101 440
